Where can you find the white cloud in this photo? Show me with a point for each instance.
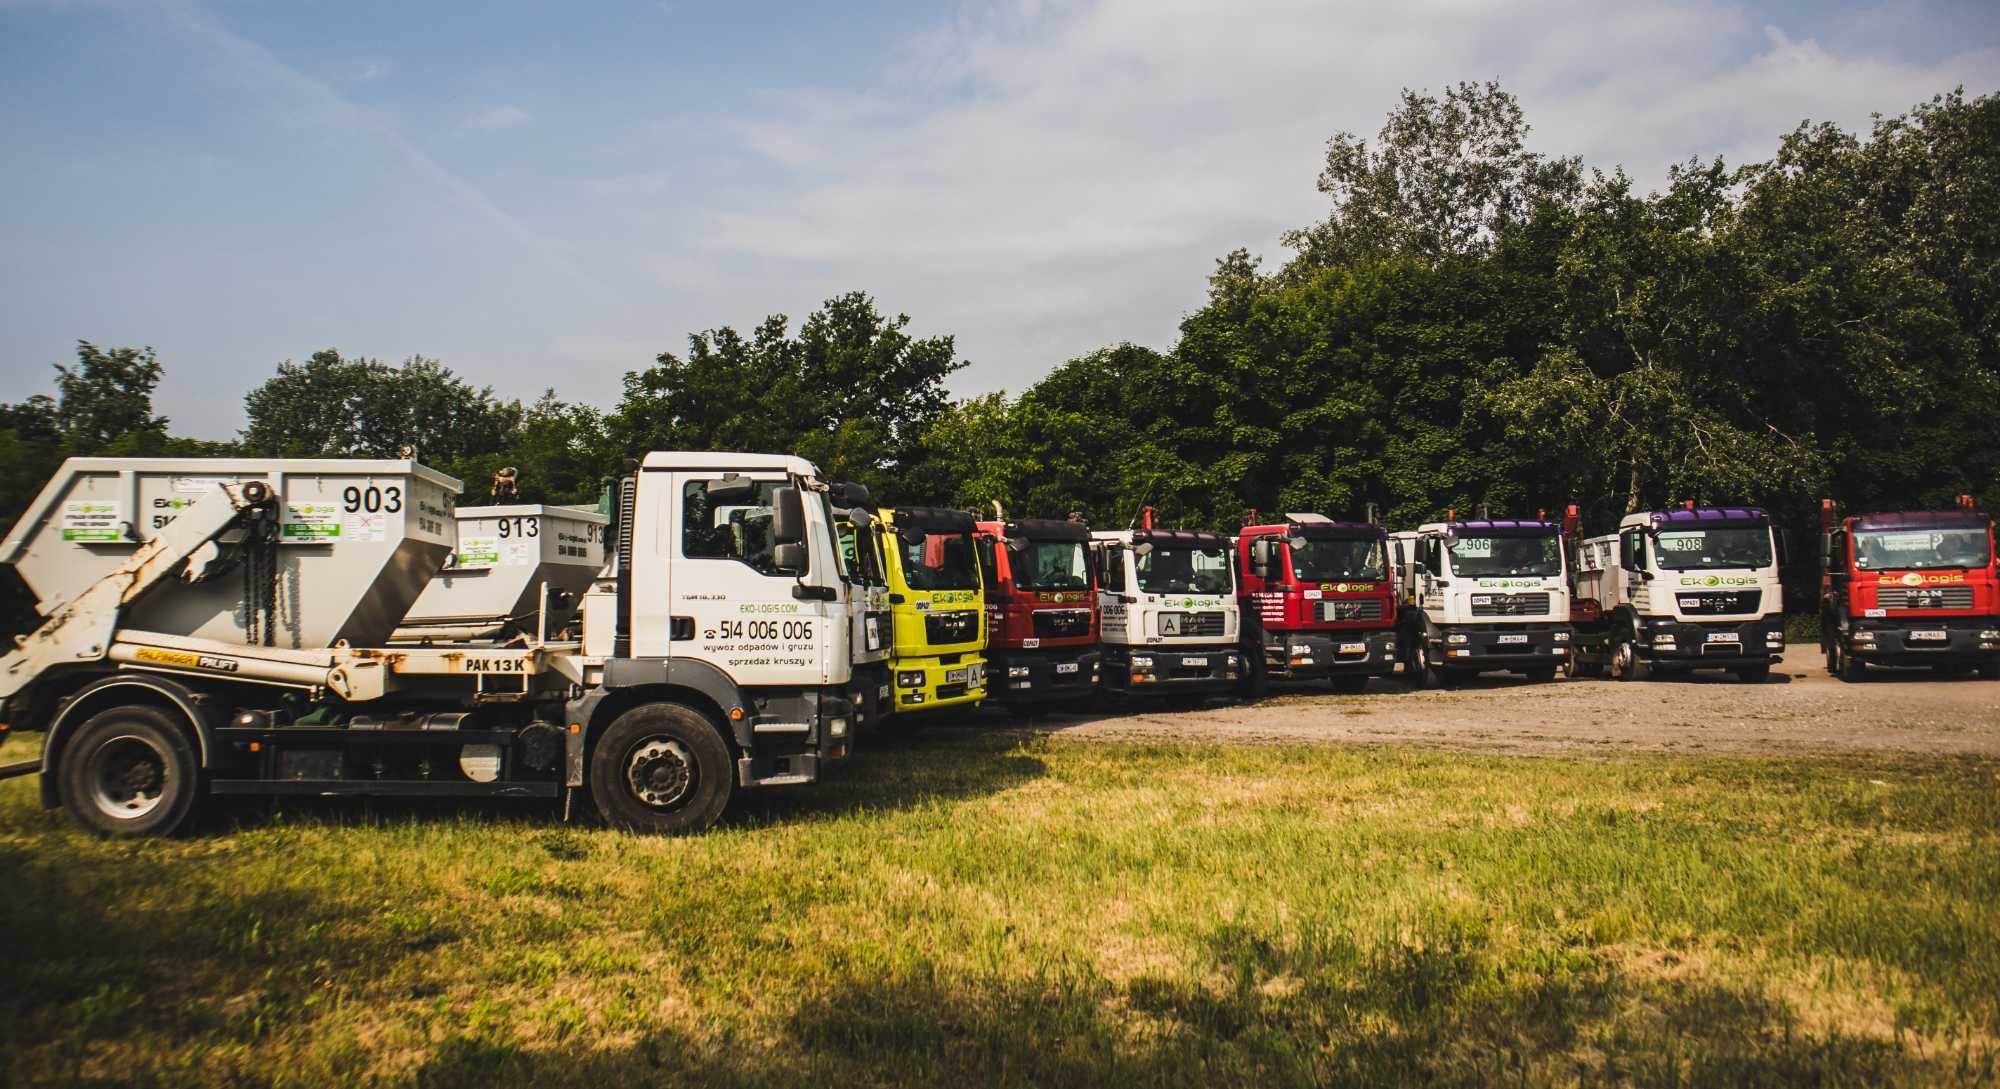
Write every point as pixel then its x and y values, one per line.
pixel 504 116
pixel 1043 178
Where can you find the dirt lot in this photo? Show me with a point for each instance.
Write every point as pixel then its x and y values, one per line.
pixel 1799 710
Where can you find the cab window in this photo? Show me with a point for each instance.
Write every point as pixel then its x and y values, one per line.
pixel 735 528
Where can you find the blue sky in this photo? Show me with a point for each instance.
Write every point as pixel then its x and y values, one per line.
pixel 548 195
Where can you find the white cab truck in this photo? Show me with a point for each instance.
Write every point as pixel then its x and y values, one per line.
pixel 1677 590
pixel 1479 596
pixel 1170 621
pixel 243 645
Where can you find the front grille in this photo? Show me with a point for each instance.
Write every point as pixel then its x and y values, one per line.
pixel 953 627
pixel 1925 597
pixel 1191 623
pixel 1360 609
pixel 1057 623
pixel 950 691
pixel 1510 604
pixel 1722 602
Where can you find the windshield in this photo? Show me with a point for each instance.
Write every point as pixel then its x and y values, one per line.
pixel 938 561
pixel 1481 557
pixel 1694 549
pixel 1184 570
pixel 1051 565
pixel 1921 549
pixel 1338 559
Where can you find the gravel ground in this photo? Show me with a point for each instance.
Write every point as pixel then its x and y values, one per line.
pixel 1799 710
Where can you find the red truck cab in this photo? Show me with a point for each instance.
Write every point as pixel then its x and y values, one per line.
pixel 1319 602
pixel 1041 613
pixel 1910 588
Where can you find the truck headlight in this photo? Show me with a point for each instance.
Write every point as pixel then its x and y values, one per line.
pixel 1017 671
pixel 1458 637
pixel 1663 640
pixel 1864 637
pixel 909 678
pixel 1142 661
pixel 1561 637
pixel 1990 633
pixel 837 727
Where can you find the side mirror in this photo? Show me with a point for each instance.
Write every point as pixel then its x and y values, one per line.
pixel 850 494
pixel 1625 552
pixel 789 558
pixel 788 519
pixel 1784 547
pixel 731 488
pixel 1263 558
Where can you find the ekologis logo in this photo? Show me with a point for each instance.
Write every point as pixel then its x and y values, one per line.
pixel 1718 580
pixel 1345 587
pixel 1914 578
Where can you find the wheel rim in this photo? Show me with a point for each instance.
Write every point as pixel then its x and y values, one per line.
pixel 128 777
pixel 661 772
pixel 1623 659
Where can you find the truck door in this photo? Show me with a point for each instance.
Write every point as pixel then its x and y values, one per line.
pixel 732 607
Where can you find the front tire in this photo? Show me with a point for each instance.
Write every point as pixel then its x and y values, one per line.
pixel 1350 686
pixel 662 769
pixel 1626 664
pixel 1540 676
pixel 1844 664
pixel 1427 672
pixel 1989 671
pixel 130 771
pixel 1754 674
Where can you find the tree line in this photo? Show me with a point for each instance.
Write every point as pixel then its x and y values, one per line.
pixel 1471 323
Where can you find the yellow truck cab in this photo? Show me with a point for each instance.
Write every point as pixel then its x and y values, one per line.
pixel 937 607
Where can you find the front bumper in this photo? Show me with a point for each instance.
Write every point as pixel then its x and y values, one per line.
pixel 1895 641
pixel 1159 670
pixel 1501 646
pixel 1042 676
pixel 1301 656
pixel 1718 645
pixel 953 680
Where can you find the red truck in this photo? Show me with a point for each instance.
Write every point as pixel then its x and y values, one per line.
pixel 1909 588
pixel 1319 602
pixel 1041 614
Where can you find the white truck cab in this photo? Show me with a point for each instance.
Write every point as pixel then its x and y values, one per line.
pixel 1683 589
pixel 1170 619
pixel 1482 595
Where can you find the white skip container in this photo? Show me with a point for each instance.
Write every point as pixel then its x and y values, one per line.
pixel 505 556
pixel 358 542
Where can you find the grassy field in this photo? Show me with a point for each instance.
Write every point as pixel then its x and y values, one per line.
pixel 1000 909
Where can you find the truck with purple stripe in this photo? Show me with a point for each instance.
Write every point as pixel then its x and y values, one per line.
pixel 1679 590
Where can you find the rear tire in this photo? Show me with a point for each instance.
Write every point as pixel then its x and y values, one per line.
pixel 663 769
pixel 130 771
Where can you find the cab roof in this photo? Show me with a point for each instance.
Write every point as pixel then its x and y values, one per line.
pixel 1921 519
pixel 1701 517
pixel 1316 529
pixel 721 459
pixel 1038 529
pixel 929 519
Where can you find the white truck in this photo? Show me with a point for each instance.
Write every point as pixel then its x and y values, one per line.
pixel 1481 595
pixel 1170 621
pixel 230 627
pixel 1685 589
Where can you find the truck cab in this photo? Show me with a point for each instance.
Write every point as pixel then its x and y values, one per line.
pixel 1682 589
pixel 937 607
pixel 1041 613
pixel 1482 595
pixel 1912 588
pixel 1319 602
pixel 1169 613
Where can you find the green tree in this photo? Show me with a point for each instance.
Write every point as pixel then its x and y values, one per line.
pixel 331 406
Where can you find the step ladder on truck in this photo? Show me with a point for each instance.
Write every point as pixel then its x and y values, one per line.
pixel 244 640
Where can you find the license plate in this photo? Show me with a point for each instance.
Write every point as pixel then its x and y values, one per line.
pixel 1065 667
pixel 1354 648
pixel 955 676
pixel 1194 661
pixel 1724 637
pixel 1513 639
pixel 1927 637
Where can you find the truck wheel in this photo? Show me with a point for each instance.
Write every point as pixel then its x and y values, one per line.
pixel 1427 673
pixel 1626 665
pixel 1844 664
pixel 130 771
pixel 1350 686
pixel 1540 676
pixel 663 769
pixel 1989 671
pixel 1754 674
pixel 1585 669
